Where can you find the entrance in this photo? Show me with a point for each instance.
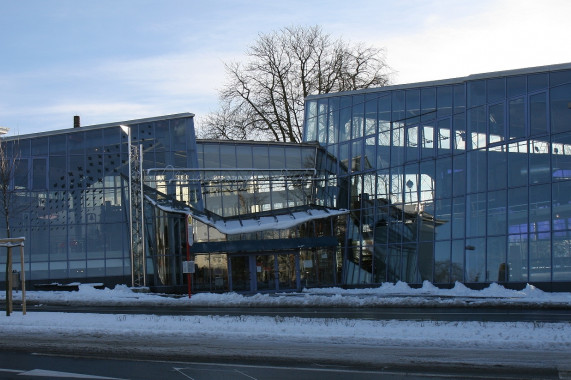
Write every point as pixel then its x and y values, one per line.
pixel 266 272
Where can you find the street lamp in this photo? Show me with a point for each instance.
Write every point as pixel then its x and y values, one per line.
pixel 140 259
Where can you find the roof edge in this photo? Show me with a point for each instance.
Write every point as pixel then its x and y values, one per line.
pixel 457 80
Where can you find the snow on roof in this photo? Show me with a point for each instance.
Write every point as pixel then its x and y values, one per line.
pixel 274 222
pixel 280 220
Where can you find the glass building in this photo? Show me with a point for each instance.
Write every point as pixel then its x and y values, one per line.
pixel 463 179
pixel 466 179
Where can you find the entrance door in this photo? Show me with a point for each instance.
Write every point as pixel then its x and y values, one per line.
pixel 240 270
pixel 252 273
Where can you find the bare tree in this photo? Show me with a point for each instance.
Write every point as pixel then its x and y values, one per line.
pixel 8 206
pixel 264 97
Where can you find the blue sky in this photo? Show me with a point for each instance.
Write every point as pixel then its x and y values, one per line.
pixel 118 60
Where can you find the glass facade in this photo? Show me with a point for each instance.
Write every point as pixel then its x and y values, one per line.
pixel 69 196
pixel 459 180
pixel 464 180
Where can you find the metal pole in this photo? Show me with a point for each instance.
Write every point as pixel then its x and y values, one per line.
pixel 23 278
pixel 143 251
pixel 131 213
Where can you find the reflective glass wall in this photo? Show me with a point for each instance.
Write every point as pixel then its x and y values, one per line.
pixel 463 180
pixel 69 195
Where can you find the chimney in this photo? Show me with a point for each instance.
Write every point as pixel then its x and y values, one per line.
pixel 76 122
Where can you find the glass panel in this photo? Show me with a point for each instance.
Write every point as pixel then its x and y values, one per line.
pixel 244 157
pixel 265 272
pixel 397 151
pixel 428 103
pixel 412 107
pixel 538 114
pixel 517 258
pixel 277 158
pixel 212 155
pixel 427 141
pixel 536 82
pixel 384 105
pixel 516 86
pixel 457 267
pixel 475 260
pixel 380 260
pixel 427 182
pixel 540 258
pixel 369 160
pixel 444 137
pixel 476 93
pixel 459 175
pixel 497 167
pixel 398 106
pixel 539 168
pixel 459 98
pixel 477 128
pixel 443 177
pixel 517 164
pixel 476 215
pixel 322 121
pixel 412 143
pixel 497 126
pixel 561 203
pixel 40 146
pixel 333 126
pixel 345 119
pixel 442 262
pixel 356 153
pixel 497 217
pixel 240 273
pixel 561 157
pixel 443 219
pixel 444 101
pixel 496 263
pixel 383 149
pixel 477 171
pixel 358 116
pixel 286 272
pixel 559 103
pixel 517 210
pixel 562 256
pixel 39 173
pixel 458 217
pixel 371 117
pixel 310 121
pixel 516 118
pixel 460 136
pixel 496 89
pixel 21 174
pixel 559 77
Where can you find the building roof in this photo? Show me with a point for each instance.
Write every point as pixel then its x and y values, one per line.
pixel 494 74
pixel 100 126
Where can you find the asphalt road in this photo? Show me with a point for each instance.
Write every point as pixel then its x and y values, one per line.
pixel 33 365
pixel 127 357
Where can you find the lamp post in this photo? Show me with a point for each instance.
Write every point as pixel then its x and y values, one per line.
pixel 138 257
pixel 127 130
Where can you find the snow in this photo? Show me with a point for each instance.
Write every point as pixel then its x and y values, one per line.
pixel 522 335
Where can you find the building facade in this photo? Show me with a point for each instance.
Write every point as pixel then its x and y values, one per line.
pixel 465 179
pixel 461 180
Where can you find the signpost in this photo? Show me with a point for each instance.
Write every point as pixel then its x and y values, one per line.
pixel 188 266
pixel 11 243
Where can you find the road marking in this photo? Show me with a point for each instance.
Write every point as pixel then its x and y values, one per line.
pixel 179 370
pixel 47 373
pixel 245 374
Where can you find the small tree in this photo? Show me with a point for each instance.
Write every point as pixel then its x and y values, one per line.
pixel 8 205
pixel 264 97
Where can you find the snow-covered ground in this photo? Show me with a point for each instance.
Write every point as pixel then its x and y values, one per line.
pixel 520 335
